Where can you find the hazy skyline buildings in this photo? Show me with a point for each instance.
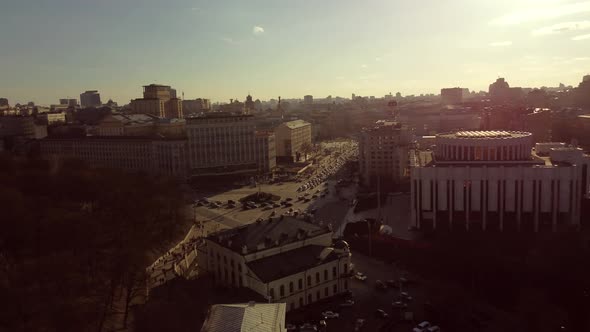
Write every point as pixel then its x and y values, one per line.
pixel 514 39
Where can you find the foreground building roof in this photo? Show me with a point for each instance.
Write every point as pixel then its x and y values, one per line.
pixel 246 317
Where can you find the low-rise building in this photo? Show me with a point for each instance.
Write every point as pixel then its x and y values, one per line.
pixel 490 180
pixel 283 259
pixel 292 138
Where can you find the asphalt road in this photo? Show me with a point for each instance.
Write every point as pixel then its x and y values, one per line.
pixel 367 300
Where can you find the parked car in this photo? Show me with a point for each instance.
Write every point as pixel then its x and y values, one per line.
pixel 288 199
pixel 399 304
pixel 424 325
pixel 433 329
pixel 231 201
pixel 308 327
pixel 347 303
pixel 330 314
pixel 405 296
pixel 381 314
pixel 291 328
pixel 360 276
pixel 380 285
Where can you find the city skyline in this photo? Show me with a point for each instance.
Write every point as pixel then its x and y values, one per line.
pixel 287 48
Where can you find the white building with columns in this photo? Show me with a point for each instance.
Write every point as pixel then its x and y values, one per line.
pixel 494 180
pixel 283 259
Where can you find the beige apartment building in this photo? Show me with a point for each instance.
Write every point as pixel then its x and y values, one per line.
pixel 225 143
pixel 288 260
pixel 290 138
pixel 158 100
pixel 384 153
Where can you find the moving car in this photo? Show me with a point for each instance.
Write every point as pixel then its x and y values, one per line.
pixel 330 314
pixel 360 276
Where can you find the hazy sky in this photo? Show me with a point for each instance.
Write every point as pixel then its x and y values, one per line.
pixel 224 49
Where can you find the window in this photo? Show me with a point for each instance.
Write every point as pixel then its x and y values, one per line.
pixel 272 293
pixel 317 295
pixel 308 298
pixel 326 292
pixel 290 287
pixel 308 280
pixel 317 277
pixel 300 302
pixel 325 275
pixel 345 284
pixel 224 259
pixel 282 291
pixel 345 268
pixel 291 306
pixel 335 289
pixel 300 284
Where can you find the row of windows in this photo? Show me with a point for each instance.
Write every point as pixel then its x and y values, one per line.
pixel 292 305
pixel 309 282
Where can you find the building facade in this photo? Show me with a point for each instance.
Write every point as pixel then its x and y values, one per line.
pixel 284 260
pixel 266 153
pixel 130 153
pixel 384 153
pixel 222 143
pixel 490 180
pixel 90 98
pixel 451 96
pixel 291 139
pixel 196 106
pixel 158 100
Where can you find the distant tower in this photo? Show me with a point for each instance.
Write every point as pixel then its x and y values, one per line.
pixel 249 105
pixel 280 109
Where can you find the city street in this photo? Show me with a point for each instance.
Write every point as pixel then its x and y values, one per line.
pixel 368 299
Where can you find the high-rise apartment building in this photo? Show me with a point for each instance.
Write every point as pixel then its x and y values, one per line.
pixel 490 180
pixel 291 139
pixel 158 100
pixel 90 98
pixel 308 99
pixel 451 96
pixel 384 153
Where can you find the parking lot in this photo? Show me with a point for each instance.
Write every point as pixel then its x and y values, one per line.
pixel 367 299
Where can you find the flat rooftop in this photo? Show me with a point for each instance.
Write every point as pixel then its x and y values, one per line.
pixel 486 134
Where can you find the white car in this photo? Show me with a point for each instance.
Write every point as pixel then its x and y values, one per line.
pixel 330 314
pixel 360 276
pixel 424 325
